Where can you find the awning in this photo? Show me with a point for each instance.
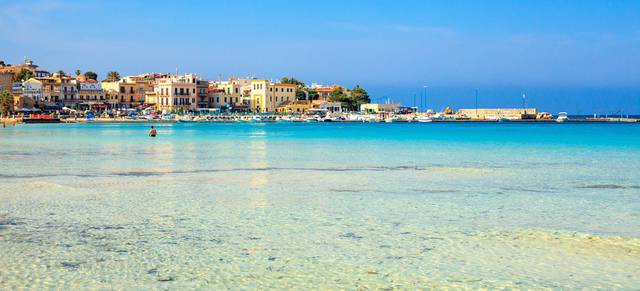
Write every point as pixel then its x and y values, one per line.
pixel 52 108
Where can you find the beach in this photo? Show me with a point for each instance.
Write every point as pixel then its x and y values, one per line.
pixel 320 206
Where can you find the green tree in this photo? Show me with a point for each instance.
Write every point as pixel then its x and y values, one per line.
pixel 313 95
pixel 90 75
pixel 338 96
pixel 113 76
pixel 23 75
pixel 6 102
pixel 78 72
pixel 61 73
pixel 360 95
pixel 292 80
pixel 353 99
pixel 300 93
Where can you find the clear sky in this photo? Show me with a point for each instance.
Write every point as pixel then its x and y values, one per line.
pixel 577 56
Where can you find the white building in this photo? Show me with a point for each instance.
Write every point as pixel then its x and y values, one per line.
pixel 32 88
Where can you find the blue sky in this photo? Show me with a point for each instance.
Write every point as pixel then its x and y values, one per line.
pixel 578 56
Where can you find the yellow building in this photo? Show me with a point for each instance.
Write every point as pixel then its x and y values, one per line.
pixel 234 92
pixel 495 113
pixel 297 106
pixel 126 93
pixel 266 96
pixel 379 108
pixel 176 93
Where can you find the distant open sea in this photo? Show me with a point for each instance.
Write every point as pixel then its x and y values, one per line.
pixel 320 206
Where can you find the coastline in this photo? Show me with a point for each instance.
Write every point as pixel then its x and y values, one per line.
pixel 116 120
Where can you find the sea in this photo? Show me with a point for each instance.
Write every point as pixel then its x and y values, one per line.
pixel 320 206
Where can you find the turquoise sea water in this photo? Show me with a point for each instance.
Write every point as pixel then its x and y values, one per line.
pixel 326 205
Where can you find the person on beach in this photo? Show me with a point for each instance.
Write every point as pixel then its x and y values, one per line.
pixel 152 132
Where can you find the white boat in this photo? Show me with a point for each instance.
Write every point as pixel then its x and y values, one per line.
pixel 424 119
pixel 391 119
pixel 562 117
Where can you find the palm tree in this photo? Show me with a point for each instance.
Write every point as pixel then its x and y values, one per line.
pixel 78 72
pixel 113 76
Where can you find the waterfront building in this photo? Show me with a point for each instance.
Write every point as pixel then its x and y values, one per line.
pixel 69 92
pixel 90 95
pixel 295 106
pixel 151 99
pixel 496 113
pixel 266 96
pixel 32 89
pixel 380 108
pixel 129 92
pixel 176 93
pixel 51 90
pixel 305 106
pixel 202 92
pixel 329 106
pixel 234 93
pixel 20 102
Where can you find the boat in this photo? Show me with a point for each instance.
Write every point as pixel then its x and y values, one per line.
pixel 391 119
pixel 424 119
pixel 503 119
pixel 311 119
pixel 562 117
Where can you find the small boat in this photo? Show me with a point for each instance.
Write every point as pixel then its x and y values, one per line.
pixel 424 119
pixel 391 119
pixel 562 117
pixel 503 119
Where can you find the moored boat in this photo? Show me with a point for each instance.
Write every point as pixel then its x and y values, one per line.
pixel 562 117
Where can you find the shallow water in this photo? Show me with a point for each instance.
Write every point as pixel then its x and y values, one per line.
pixel 328 205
